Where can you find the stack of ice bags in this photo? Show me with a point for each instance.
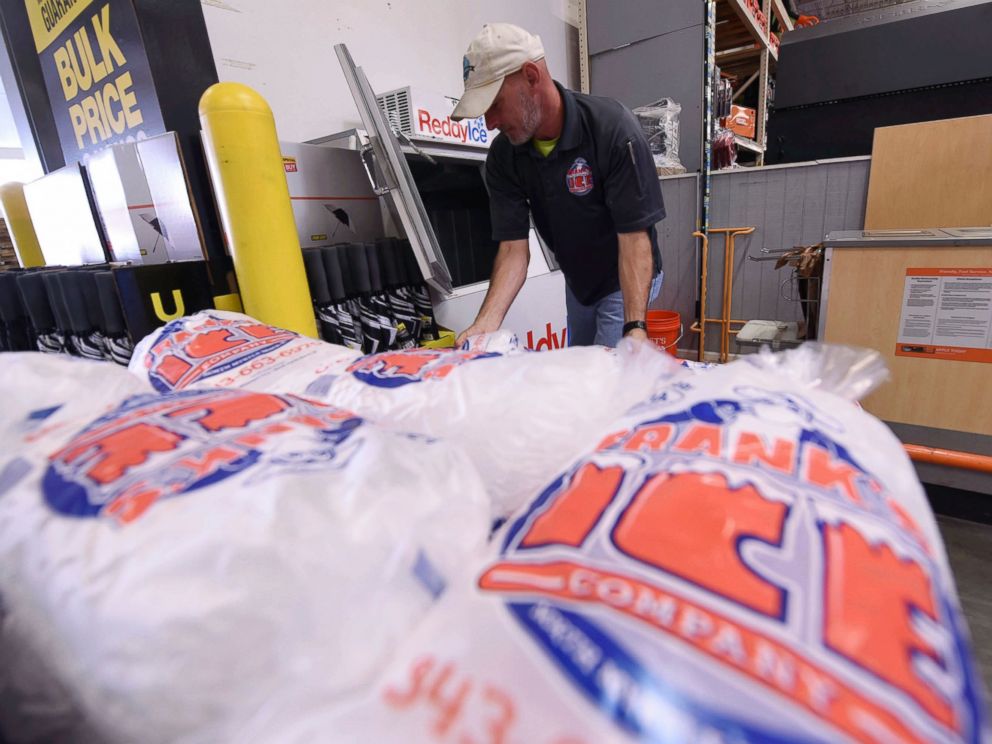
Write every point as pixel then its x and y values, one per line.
pixel 287 543
pixel 746 556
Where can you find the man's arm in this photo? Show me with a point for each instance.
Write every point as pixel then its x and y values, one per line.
pixel 509 273
pixel 636 270
pixel 635 201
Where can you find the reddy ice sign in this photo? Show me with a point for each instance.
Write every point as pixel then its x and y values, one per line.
pixel 429 124
pixel 425 115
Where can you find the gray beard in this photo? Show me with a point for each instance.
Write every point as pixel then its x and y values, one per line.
pixel 531 121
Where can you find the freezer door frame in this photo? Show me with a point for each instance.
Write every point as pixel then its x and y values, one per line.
pixel 391 178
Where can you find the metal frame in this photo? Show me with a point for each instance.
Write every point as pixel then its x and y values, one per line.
pixel 935 463
pixel 725 321
pixel 391 177
pixel 745 85
pixel 926 238
pixel 583 48
pixel 950 458
pixel 709 64
pixel 760 133
pixel 821 326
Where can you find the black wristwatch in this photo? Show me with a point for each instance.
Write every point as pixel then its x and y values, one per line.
pixel 628 327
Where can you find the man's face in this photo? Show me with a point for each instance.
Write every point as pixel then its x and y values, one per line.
pixel 515 110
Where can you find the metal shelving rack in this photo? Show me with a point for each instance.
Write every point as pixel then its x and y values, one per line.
pixel 747 49
pixel 744 47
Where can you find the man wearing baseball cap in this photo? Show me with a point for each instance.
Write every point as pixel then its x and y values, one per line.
pixel 581 166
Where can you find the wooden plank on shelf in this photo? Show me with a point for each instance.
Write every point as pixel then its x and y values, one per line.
pixel 738 61
pixel 748 144
pixel 741 70
pixel 731 33
pixel 731 56
pixel 745 85
pixel 931 174
pixel 749 20
pixel 729 42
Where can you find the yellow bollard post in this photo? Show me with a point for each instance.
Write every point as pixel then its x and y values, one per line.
pixel 239 138
pixel 19 225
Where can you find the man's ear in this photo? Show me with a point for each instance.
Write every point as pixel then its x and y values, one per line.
pixel 531 73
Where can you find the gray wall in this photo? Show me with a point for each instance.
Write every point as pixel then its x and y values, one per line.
pixel 914 46
pixel 643 50
pixel 612 25
pixel 789 205
pixel 680 289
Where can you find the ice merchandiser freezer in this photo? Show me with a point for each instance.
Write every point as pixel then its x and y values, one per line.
pixel 435 194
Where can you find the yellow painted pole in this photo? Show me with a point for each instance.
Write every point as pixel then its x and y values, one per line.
pixel 242 149
pixel 20 226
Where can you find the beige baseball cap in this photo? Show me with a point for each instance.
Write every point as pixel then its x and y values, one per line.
pixel 499 50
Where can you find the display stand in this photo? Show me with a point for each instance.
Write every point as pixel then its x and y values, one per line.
pixel 929 175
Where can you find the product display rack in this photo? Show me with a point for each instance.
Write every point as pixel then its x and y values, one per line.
pixel 739 41
pixel 747 49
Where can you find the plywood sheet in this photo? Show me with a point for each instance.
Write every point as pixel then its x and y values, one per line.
pixel 931 174
pixel 866 287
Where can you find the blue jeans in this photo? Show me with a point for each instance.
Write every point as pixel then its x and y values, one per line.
pixel 602 322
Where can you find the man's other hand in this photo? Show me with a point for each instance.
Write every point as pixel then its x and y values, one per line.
pixel 476 328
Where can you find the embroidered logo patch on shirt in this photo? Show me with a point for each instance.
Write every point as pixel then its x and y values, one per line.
pixel 579 177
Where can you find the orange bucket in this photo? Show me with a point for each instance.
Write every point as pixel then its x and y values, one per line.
pixel 664 329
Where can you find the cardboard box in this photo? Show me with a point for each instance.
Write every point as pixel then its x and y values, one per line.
pixel 741 121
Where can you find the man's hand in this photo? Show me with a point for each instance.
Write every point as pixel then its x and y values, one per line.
pixel 509 273
pixel 638 334
pixel 479 326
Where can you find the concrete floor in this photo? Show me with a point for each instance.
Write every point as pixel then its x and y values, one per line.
pixel 969 549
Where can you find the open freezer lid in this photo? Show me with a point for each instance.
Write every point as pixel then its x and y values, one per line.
pixel 391 177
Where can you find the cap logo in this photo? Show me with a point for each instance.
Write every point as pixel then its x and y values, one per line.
pixel 467 67
pixel 579 177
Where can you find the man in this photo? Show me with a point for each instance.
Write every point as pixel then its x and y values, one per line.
pixel 582 167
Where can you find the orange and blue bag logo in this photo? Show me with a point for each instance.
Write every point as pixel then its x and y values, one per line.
pixel 393 369
pixel 154 447
pixel 185 353
pixel 771 566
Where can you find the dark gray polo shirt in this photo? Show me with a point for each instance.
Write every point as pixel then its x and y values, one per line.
pixel 599 180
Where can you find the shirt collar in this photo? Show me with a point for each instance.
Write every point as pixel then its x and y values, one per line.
pixel 571 129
